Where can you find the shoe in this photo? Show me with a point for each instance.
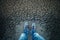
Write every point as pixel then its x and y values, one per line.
pixel 26 25
pixel 33 28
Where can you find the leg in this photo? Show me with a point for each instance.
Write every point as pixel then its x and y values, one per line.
pixel 23 37
pixel 25 32
pixel 35 36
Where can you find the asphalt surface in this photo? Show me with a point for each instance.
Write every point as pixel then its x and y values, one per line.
pixel 45 13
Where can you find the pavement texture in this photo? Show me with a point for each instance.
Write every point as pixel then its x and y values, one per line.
pixel 45 13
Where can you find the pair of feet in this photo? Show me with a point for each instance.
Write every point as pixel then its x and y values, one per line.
pixel 29 29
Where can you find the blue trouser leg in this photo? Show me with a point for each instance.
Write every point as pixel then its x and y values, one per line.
pixel 36 36
pixel 23 37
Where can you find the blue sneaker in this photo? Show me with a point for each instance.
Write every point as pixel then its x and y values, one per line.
pixel 33 28
pixel 26 25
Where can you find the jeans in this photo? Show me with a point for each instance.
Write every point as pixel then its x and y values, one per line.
pixel 35 36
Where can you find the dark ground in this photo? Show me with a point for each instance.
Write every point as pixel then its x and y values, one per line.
pixel 45 13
